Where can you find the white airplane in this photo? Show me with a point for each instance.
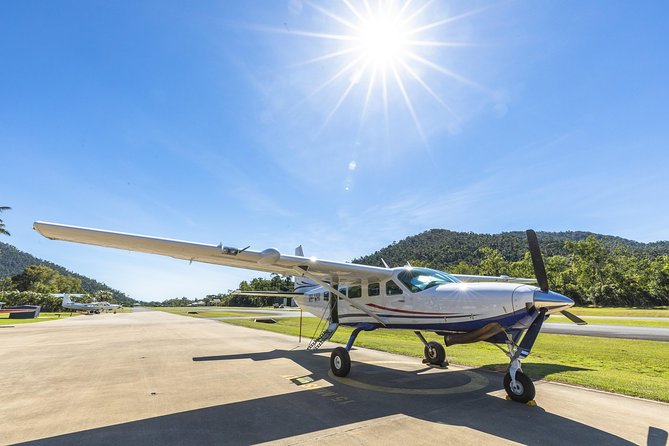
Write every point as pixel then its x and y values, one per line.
pixel 90 308
pixel 463 309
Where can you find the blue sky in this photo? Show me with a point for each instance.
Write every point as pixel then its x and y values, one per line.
pixel 227 122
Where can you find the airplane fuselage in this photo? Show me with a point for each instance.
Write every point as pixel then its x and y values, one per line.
pixel 452 306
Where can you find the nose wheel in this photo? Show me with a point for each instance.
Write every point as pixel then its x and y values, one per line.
pixel 521 389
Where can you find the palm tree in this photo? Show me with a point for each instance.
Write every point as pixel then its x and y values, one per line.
pixel 2 224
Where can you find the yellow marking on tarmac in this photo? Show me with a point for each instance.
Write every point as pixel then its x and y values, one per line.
pixel 476 382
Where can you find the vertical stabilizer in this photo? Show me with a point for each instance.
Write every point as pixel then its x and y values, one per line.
pixel 302 284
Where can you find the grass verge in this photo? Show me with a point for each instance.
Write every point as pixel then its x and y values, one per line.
pixel 43 317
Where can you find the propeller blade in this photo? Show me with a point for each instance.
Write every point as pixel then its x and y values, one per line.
pixel 537 260
pixel 572 317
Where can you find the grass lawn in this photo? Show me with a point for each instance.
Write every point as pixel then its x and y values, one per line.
pixel 4 318
pixel 635 312
pixel 211 313
pixel 630 367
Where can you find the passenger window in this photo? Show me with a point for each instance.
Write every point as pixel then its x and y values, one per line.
pixel 373 289
pixel 326 296
pixel 342 291
pixel 392 288
pixel 355 291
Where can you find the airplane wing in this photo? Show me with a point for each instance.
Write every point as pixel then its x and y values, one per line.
pixel 473 278
pixel 268 260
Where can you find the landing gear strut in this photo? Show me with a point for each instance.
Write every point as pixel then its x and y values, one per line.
pixel 518 385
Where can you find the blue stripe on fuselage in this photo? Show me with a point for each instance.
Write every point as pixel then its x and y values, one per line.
pixel 506 320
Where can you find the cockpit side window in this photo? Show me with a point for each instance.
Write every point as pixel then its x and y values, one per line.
pixel 419 279
pixel 392 288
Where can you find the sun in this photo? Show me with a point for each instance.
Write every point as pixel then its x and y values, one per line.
pixel 382 41
pixel 380 48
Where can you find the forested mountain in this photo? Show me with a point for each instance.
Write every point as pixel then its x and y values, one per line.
pixel 592 269
pixel 442 248
pixel 14 262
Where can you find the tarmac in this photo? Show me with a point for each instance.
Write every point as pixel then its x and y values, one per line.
pixel 155 378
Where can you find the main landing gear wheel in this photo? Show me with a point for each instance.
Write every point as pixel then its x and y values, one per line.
pixel 523 391
pixel 435 353
pixel 340 362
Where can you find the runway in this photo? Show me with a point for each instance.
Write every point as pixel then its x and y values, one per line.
pixel 609 331
pixel 156 378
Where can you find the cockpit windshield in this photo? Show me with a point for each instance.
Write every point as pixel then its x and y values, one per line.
pixel 419 279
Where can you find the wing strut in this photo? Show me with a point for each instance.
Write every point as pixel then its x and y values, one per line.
pixel 303 272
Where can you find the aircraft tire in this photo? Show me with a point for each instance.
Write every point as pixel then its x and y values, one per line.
pixel 434 353
pixel 340 362
pixel 524 390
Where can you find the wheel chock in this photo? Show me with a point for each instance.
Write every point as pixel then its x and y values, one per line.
pixel 443 365
pixel 530 403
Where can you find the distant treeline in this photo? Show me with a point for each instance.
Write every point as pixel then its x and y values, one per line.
pixel 274 283
pixel 14 262
pixel 37 284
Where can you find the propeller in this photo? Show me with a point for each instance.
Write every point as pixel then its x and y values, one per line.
pixel 540 272
pixel 537 260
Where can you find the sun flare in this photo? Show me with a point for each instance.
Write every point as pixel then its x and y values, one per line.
pixel 381 48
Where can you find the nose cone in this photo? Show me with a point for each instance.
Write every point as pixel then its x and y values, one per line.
pixel 553 302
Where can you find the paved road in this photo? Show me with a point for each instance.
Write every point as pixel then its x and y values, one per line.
pixel 609 331
pixel 157 378
pixel 621 318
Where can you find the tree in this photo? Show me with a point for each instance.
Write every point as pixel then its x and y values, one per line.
pixel 42 279
pixel 492 262
pixel 589 258
pixel 2 224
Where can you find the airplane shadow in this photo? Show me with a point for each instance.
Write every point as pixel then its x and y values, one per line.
pixel 338 404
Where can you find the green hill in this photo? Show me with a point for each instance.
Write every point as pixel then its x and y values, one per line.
pixel 14 261
pixel 442 248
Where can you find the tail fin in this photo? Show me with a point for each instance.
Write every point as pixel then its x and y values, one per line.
pixel 302 284
pixel 66 299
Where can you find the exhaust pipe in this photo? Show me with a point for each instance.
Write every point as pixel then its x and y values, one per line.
pixel 483 333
